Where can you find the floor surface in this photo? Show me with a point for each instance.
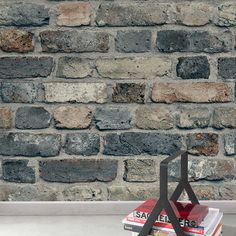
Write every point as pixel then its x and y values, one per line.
pixel 77 226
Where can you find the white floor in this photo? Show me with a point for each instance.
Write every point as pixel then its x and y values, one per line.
pixel 77 226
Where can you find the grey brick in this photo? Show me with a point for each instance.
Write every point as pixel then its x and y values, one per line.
pixel 230 144
pixel 191 118
pixel 23 14
pixel 86 144
pixel 193 67
pixel 227 68
pixel 32 118
pixel 141 170
pixel 24 92
pixel 211 170
pixel 132 14
pixel 31 145
pixel 194 41
pixel 72 171
pixel 224 117
pixel 18 171
pixel 112 118
pixel 130 143
pixel 133 41
pixel 74 41
pixel 25 67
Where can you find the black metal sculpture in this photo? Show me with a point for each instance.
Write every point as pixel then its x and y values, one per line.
pixel 164 202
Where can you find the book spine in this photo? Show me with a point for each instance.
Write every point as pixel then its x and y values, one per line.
pixel 199 230
pixel 154 231
pixel 165 219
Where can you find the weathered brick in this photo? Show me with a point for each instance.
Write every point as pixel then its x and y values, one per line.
pixel 193 14
pixel 191 118
pixel 69 117
pixel 227 68
pixel 211 169
pixel 200 92
pixel 133 67
pixel 34 192
pixel 205 192
pixel 141 170
pixel 194 41
pixel 206 144
pixel 126 144
pixel 206 169
pixel 25 67
pixel 133 41
pixel 72 171
pixel 224 117
pixel 32 118
pixel 74 68
pixel 74 41
pixel 5 117
pixel 230 144
pixel 26 144
pixel 227 14
pixel 132 193
pixel 128 92
pixel 73 14
pixel 84 193
pixel 24 92
pixel 154 118
pixel 112 118
pixel 23 14
pixel 86 144
pixel 193 67
pixel 18 171
pixel 75 92
pixel 227 192
pixel 139 14
pixel 14 40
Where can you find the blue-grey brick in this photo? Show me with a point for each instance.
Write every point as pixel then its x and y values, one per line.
pixel 18 171
pixel 194 41
pixel 31 145
pixel 24 92
pixel 25 67
pixel 193 67
pixel 72 171
pixel 227 68
pixel 132 143
pixel 86 144
pixel 23 14
pixel 32 118
pixel 230 144
pixel 112 118
pixel 74 41
pixel 133 41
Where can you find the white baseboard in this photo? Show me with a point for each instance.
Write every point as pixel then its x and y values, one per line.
pixel 88 208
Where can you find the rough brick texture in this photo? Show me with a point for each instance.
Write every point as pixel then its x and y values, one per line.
pixel 97 93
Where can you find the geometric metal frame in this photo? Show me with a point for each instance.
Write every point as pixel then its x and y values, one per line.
pixel 163 202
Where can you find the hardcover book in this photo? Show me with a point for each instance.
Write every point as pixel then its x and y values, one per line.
pixel 189 215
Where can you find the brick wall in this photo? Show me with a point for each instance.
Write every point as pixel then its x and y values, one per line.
pixel 94 94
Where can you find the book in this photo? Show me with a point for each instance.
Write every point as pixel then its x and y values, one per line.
pixel 212 219
pixel 188 214
pixel 218 232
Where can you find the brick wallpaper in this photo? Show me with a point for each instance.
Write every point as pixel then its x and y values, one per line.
pixel 94 94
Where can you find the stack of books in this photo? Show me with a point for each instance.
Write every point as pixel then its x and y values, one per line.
pixel 194 219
